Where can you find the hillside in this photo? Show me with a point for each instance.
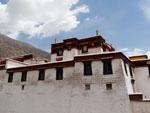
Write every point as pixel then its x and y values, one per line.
pixel 10 47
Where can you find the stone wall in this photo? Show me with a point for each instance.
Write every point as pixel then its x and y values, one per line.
pixel 68 95
pixel 142 81
pixel 140 106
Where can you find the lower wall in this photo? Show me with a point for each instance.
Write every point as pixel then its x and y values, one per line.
pixel 61 97
pixel 140 106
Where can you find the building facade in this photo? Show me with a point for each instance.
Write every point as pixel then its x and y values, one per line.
pixel 84 75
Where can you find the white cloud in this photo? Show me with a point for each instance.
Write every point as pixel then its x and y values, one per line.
pixel 145 7
pixel 133 52
pixel 39 17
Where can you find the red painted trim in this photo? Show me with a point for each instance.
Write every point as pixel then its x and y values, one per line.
pixel 18 58
pixel 78 43
pixel 136 97
pixel 95 57
pixel 141 63
pixel 42 66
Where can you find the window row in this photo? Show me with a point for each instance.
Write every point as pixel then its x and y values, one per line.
pixel 107 67
pixel 108 86
pixel 83 48
pixel 59 75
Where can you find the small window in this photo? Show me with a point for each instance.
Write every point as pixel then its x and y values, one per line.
pixel 59 74
pixel 41 74
pixel 24 76
pixel 22 87
pixel 104 49
pixel 84 49
pixel 107 67
pixel 69 47
pixel 108 86
pixel 125 67
pixel 87 86
pixel 60 52
pixel 10 77
pixel 87 68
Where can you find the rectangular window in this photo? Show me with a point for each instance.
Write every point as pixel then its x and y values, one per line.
pixel 59 73
pixel 125 67
pixel 108 86
pixel 131 71
pixel 107 67
pixel 84 49
pixel 24 76
pixel 22 87
pixel 10 77
pixel 87 87
pixel 87 68
pixel 41 74
pixel 149 69
pixel 104 49
pixel 60 52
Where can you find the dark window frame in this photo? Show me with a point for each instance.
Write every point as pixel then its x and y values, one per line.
pixel 10 77
pixel 87 86
pixel 125 67
pixel 104 49
pixel 87 68
pixel 131 71
pixel 108 86
pixel 84 49
pixel 60 53
pixel 41 74
pixel 149 70
pixel 24 76
pixel 69 47
pixel 59 73
pixel 107 67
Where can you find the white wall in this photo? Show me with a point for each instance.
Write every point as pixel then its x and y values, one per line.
pixel 127 77
pixel 142 81
pixel 13 63
pixel 69 55
pixel 68 95
pixel 92 50
pixel 140 106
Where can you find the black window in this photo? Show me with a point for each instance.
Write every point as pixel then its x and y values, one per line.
pixel 10 77
pixel 87 68
pixel 104 49
pixel 107 67
pixel 108 86
pixel 60 52
pixel 149 69
pixel 131 71
pixel 41 74
pixel 22 87
pixel 84 49
pixel 125 67
pixel 59 73
pixel 87 87
pixel 24 76
pixel 69 47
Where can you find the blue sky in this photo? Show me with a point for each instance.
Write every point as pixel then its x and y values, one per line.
pixel 122 22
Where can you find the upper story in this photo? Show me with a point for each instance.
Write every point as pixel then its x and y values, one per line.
pixel 69 48
pixel 90 58
pixel 106 69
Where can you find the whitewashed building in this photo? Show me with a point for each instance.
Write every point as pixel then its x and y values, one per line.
pixel 83 76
